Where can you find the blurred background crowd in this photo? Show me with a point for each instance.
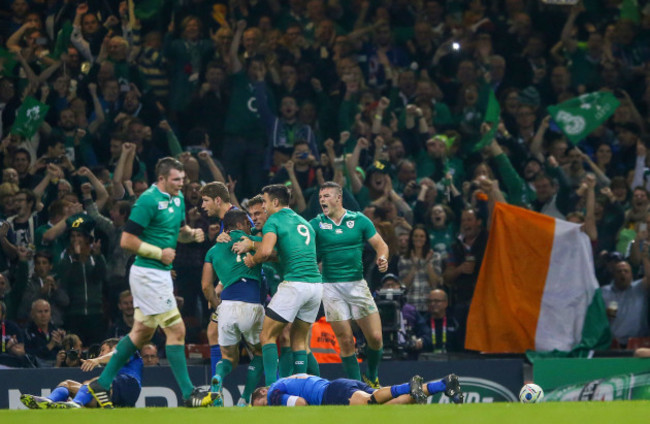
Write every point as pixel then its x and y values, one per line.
pixel 387 98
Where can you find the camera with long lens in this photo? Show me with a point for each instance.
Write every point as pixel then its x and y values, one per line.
pixel 396 336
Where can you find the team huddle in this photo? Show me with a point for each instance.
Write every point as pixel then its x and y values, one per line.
pixel 275 242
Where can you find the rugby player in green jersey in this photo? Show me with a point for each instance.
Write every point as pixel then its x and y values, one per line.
pixel 298 297
pixel 273 275
pixel 238 303
pixel 340 238
pixel 156 224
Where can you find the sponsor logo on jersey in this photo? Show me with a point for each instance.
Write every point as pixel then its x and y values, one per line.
pixel 339 231
pixel 163 205
pixel 350 224
pixel 325 226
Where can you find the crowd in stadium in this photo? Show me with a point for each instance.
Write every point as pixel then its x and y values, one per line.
pixel 387 98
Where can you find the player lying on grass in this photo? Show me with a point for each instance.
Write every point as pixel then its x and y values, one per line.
pixel 304 389
pixel 124 392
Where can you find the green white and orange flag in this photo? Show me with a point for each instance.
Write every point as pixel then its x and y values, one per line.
pixel 536 289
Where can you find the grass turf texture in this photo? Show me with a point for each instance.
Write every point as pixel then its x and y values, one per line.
pixel 628 412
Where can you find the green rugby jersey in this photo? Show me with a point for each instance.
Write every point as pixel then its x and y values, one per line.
pixel 228 265
pixel 340 247
pixel 161 217
pixel 243 117
pixel 296 246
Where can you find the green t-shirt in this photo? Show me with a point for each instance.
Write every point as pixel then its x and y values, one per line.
pixel 55 248
pixel 296 245
pixel 161 217
pixel 228 265
pixel 340 247
pixel 441 240
pixel 243 117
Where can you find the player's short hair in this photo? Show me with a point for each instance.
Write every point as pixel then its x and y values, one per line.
pixel 165 165
pixel 215 189
pixel 257 394
pixel 112 342
pixel 234 217
pixel 256 200
pixel 335 186
pixel 278 191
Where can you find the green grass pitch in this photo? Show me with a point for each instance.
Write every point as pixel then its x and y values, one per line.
pixel 627 412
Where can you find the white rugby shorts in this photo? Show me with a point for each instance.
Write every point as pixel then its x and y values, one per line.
pixel 237 319
pixel 346 301
pixel 152 290
pixel 297 300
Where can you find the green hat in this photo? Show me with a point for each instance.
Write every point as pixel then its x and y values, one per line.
pixel 447 141
pixel 378 166
pixel 82 223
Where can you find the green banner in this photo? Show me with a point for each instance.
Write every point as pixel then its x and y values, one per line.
pixel 579 116
pixel 620 387
pixel 553 373
pixel 29 117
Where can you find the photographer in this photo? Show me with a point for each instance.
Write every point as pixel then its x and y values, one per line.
pixel 70 353
pixel 403 328
pixel 124 392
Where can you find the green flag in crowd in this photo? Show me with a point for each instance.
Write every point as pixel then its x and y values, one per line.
pixel 147 9
pixel 630 10
pixel 579 116
pixel 29 117
pixel 492 116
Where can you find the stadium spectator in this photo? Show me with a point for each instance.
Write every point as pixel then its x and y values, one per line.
pixel 627 302
pixel 442 334
pixel 124 322
pixel 149 353
pixel 42 284
pixel 82 271
pixel 43 339
pixel 12 352
pixel 419 268
pixel 389 85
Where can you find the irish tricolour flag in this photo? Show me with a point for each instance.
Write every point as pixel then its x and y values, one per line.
pixel 536 289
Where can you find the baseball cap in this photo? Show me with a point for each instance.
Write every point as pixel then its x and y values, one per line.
pixel 82 223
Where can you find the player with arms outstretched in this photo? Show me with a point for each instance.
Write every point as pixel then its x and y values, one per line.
pixel 340 238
